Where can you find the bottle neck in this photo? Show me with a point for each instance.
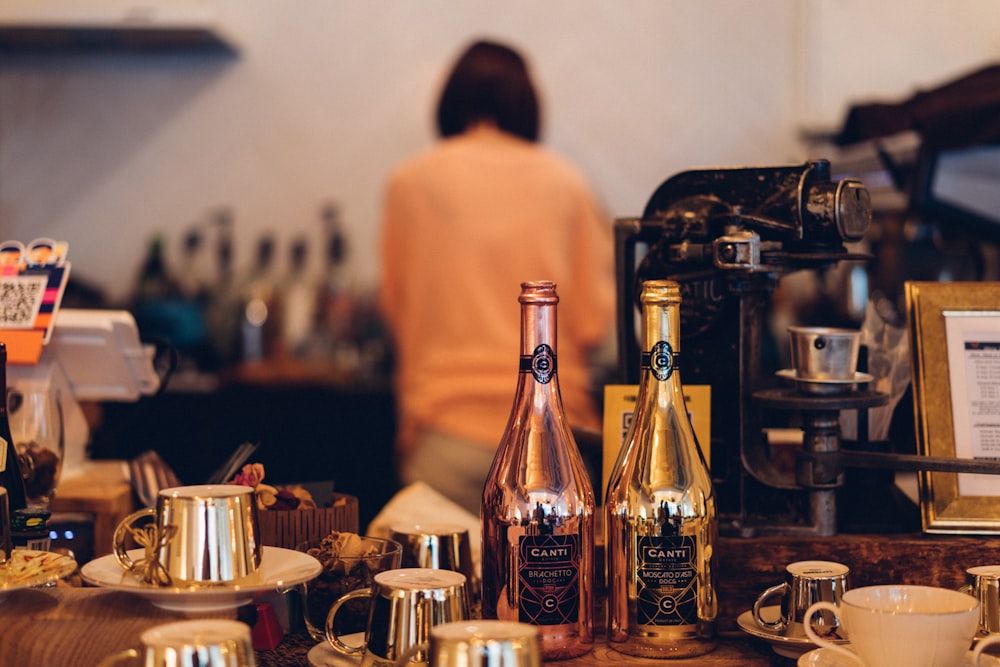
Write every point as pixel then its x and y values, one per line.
pixel 661 343
pixel 538 342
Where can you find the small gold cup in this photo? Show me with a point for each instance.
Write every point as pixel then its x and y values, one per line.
pixel 194 643
pixel 200 535
pixel 405 605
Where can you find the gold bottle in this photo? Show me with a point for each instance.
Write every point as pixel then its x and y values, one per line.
pixel 660 513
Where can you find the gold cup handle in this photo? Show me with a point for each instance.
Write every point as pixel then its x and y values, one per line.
pixel 332 637
pixel 118 541
pixel 121 656
pixel 779 625
pixel 411 653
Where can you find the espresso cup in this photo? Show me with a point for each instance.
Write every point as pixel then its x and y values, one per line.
pixel 983 583
pixel 482 643
pixel 805 582
pixel 904 626
pixel 437 547
pixel 199 535
pixel 824 353
pixel 405 605
pixel 194 643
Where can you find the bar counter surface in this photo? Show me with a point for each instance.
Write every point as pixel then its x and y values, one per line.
pixel 80 627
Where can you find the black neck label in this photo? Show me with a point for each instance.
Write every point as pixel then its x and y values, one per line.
pixel 541 364
pixel 662 361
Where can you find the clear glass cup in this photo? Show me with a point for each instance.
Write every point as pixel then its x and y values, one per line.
pixel 350 562
pixel 36 424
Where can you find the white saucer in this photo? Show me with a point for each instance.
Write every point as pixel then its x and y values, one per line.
pixel 824 657
pixel 788 647
pixel 279 568
pixel 322 655
pixel 25 570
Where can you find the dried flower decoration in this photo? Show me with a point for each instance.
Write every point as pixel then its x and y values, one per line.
pixel 271 497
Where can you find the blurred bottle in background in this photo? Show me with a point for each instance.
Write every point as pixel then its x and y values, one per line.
pixel 260 328
pixel 298 299
pixel 336 336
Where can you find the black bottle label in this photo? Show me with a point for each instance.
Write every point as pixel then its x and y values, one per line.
pixel 662 361
pixel 541 364
pixel 666 580
pixel 548 575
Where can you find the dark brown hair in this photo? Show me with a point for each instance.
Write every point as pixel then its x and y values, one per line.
pixel 489 81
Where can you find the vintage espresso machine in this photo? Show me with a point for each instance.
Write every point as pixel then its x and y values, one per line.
pixel 727 236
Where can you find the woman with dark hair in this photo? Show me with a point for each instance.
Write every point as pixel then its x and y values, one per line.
pixel 464 223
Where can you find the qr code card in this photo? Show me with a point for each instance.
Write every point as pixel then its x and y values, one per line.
pixel 21 300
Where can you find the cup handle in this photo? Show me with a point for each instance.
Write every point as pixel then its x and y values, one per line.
pixel 774 591
pixel 814 609
pixel 332 638
pixel 967 588
pixel 118 541
pixel 981 645
pixel 117 658
pixel 409 653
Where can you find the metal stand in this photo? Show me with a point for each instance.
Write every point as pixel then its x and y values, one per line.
pixel 819 468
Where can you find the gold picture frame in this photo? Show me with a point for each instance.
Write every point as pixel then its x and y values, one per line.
pixel 945 375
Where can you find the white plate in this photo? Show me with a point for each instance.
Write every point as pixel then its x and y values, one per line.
pixel 789 647
pixel 24 570
pixel 279 568
pixel 824 657
pixel 322 655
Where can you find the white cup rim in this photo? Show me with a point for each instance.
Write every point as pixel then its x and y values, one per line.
pixel 206 491
pixel 817 569
pixel 196 632
pixel 958 603
pixel 419 578
pixel 491 629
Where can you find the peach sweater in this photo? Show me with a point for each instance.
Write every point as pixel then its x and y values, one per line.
pixel 464 224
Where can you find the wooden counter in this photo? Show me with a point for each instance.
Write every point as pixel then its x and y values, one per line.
pixel 78 627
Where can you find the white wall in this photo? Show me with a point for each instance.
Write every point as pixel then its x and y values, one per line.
pixel 326 96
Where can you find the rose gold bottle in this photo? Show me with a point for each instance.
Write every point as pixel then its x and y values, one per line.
pixel 660 512
pixel 538 503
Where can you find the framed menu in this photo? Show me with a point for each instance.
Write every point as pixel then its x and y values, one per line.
pixel 955 336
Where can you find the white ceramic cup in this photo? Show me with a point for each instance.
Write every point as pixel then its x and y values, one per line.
pixel 905 626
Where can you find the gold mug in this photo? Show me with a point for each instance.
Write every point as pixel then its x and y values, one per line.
pixel 194 643
pixel 205 534
pixel 484 643
pixel 405 604
pixel 983 583
pixel 437 546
